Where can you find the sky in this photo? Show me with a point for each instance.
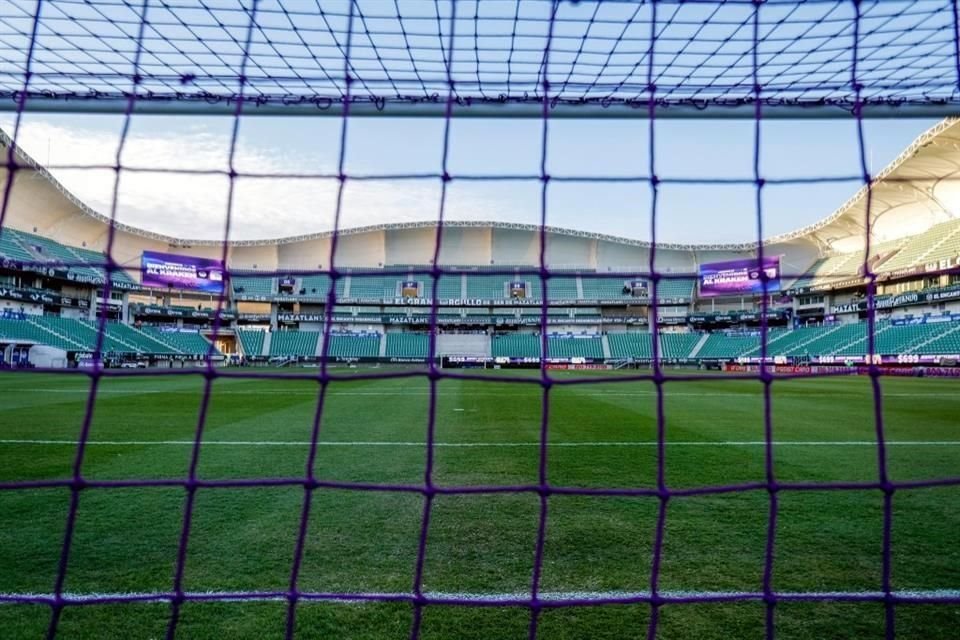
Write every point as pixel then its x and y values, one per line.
pixel 158 198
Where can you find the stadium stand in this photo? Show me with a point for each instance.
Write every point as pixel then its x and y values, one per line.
pixel 678 345
pixel 604 289
pixel 363 285
pixel 722 346
pixel 253 285
pixel 675 289
pixel 835 267
pixel 251 340
pixel 189 342
pixel 939 241
pixel 946 342
pixel 294 343
pixel 565 346
pixel 407 345
pixel 354 345
pixel 30 332
pixel 630 345
pixel 516 345
pixel 483 286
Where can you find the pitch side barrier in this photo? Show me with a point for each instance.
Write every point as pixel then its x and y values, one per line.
pixel 820 369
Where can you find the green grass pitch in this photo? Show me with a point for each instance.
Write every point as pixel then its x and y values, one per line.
pixel 374 432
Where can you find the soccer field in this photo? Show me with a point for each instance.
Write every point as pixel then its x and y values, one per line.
pixel 365 519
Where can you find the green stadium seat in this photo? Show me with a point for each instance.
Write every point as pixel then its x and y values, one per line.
pixel 574 347
pixel 294 343
pixel 516 346
pixel 407 345
pixel 348 345
pixel 252 341
pixel 630 345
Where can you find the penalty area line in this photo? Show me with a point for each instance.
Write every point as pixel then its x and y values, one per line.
pixel 518 597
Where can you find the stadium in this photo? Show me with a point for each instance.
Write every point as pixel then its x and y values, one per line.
pixel 489 302
pixel 485 426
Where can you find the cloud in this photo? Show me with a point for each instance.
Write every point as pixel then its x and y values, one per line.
pixel 163 187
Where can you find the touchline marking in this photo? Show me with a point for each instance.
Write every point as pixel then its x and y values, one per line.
pixel 420 392
pixel 388 443
pixel 517 597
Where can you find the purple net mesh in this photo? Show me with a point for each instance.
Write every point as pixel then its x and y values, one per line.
pixel 456 58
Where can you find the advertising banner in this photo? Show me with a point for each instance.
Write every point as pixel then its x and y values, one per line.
pixel 181 272
pixel 739 277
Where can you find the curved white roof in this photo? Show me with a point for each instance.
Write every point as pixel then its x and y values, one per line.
pixel 918 189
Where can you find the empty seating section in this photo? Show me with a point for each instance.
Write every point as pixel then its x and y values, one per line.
pixel 407 345
pixel 139 340
pixel 251 340
pixel 11 249
pixel 251 285
pixel 827 342
pixel 722 346
pixel 939 241
pixel 677 345
pixel 449 286
pixel 29 247
pixel 562 288
pixel 675 289
pixel 364 285
pixel 787 342
pixel 188 342
pixel 843 265
pixel 481 286
pixel 895 340
pixel 630 345
pixel 30 332
pixel 517 346
pixel 83 333
pixel 604 288
pixel 294 343
pixel 947 344
pixel 317 286
pixel 348 345
pixel 574 347
pixel 119 276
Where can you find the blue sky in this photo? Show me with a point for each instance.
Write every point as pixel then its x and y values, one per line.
pixel 194 205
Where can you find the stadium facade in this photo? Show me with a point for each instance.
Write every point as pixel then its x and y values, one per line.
pixel 162 302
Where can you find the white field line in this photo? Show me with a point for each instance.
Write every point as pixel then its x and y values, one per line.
pixel 361 597
pixel 388 443
pixel 489 393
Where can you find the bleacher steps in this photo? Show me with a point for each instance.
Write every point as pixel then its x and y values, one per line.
pixel 383 346
pixel 96 327
pixel 936 245
pixel 800 345
pixel 579 288
pixel 79 346
pixel 915 347
pixel 319 350
pixel 699 345
pixel 347 281
pixel 267 335
pixel 604 343
pixel 853 343
pixel 757 349
pixel 153 339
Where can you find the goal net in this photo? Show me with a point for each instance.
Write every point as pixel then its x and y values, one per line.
pixel 637 62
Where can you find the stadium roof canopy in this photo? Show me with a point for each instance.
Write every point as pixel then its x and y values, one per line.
pixel 920 188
